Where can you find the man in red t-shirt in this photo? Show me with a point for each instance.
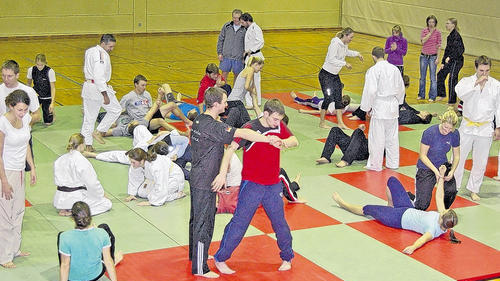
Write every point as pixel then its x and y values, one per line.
pixel 212 78
pixel 260 185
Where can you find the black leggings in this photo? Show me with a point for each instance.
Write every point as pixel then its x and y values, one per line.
pixel 354 147
pixel 424 184
pixel 452 68
pixel 112 249
pixel 332 89
pixel 290 188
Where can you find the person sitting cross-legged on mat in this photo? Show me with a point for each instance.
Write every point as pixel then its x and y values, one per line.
pixel 400 213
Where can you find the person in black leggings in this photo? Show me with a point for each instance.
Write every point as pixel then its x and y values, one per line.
pixel 354 147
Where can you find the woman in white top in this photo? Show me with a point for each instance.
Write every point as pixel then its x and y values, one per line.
pixel 14 149
pixel 236 113
pixel 329 78
pixel 400 213
pixel 76 180
pixel 163 180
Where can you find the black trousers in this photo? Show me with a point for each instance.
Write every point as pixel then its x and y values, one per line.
pixel 236 114
pixel 47 116
pixel 451 68
pixel 332 89
pixel 112 249
pixel 401 69
pixel 424 184
pixel 201 228
pixel 290 188
pixel 354 147
pixel 359 113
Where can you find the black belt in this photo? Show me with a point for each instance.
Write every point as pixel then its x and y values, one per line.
pixel 251 53
pixel 428 55
pixel 70 189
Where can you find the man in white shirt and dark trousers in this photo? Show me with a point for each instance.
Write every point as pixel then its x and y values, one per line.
pixel 254 42
pixel 231 46
pixel 383 92
pixel 480 94
pixel 96 93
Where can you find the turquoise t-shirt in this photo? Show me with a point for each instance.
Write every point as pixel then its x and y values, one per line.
pixel 422 222
pixel 85 249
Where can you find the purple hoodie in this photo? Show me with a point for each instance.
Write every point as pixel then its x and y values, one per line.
pixel 396 57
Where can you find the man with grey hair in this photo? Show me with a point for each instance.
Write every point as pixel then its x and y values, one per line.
pixel 231 46
pixel 97 93
pixel 383 92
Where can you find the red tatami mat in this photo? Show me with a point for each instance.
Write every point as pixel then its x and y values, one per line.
pixel 287 100
pixel 406 157
pixel 27 203
pixel 491 167
pixel 256 258
pixel 469 260
pixel 179 125
pixel 294 215
pixel 375 183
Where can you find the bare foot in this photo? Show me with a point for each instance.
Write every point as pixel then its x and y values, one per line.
pixel 8 265
pixel 285 265
pixel 89 154
pixel 298 202
pixel 439 98
pixel 342 164
pixel 338 199
pixel 209 274
pixel 181 194
pixel 118 257
pixel 314 94
pixel 223 268
pixel 324 126
pixel 23 254
pixel 474 196
pixel 144 203
pixel 98 137
pixel 89 148
pixel 65 213
pixel 497 178
pixel 354 118
pixel 322 160
pixel 293 94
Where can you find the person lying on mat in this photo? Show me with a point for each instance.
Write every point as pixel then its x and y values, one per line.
pixel 316 103
pixel 400 213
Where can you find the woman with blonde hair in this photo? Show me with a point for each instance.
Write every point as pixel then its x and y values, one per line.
pixel 15 153
pixel 76 180
pixel 236 113
pixel 453 61
pixel 436 141
pixel 44 83
pixel 329 78
pixel 396 47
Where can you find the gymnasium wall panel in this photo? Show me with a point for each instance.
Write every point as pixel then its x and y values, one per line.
pixel 476 20
pixel 65 17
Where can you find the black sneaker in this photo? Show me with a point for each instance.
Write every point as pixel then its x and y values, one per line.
pixel 411 195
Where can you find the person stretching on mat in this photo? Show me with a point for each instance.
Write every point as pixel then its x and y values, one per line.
pixel 400 213
pixel 354 147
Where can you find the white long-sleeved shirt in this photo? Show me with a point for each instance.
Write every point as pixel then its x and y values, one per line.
pixel 97 67
pixel 383 92
pixel 166 180
pixel 335 57
pixel 254 38
pixel 73 170
pixel 479 106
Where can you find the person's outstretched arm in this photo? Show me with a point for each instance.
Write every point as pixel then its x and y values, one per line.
pixel 426 237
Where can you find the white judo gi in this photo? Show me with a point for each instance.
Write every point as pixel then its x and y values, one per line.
pixel 383 92
pixel 97 70
pixel 74 170
pixel 254 42
pixel 476 129
pixel 163 180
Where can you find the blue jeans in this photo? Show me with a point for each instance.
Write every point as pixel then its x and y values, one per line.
pixel 250 197
pixel 424 62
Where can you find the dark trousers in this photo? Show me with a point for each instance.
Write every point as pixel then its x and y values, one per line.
pixel 47 116
pixel 360 114
pixel 290 188
pixel 112 249
pixel 354 147
pixel 251 196
pixel 236 114
pixel 332 89
pixel 201 228
pixel 451 68
pixel 424 184
pixel 27 168
pixel 401 69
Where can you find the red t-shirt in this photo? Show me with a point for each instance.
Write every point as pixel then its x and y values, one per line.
pixel 205 83
pixel 261 161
